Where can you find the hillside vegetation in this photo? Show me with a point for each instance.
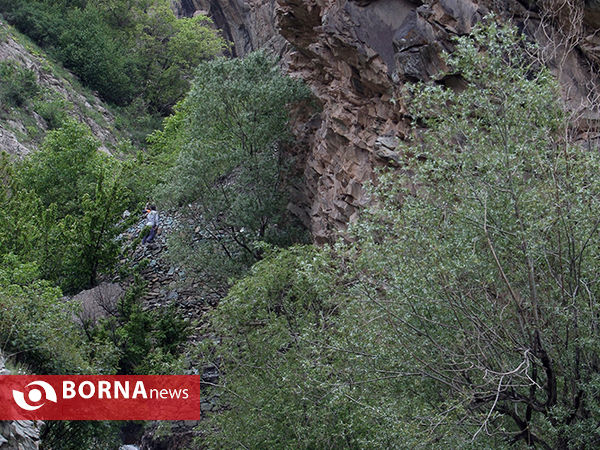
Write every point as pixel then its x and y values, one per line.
pixel 37 95
pixel 458 311
pixel 462 313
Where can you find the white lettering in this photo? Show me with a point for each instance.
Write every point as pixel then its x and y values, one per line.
pixel 104 389
pixel 81 390
pixel 139 390
pixel 123 390
pixel 68 389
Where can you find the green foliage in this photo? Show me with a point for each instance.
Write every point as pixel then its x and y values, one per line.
pixel 64 169
pixel 463 314
pixel 231 130
pixel 123 49
pixel 148 340
pixel 63 206
pixel 171 48
pixel 35 323
pixel 273 358
pixel 77 435
pixel 38 331
pixel 54 112
pixel 493 282
pixel 89 47
pixel 17 84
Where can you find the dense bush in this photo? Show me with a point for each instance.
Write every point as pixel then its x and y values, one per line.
pixel 89 47
pixel 17 84
pixel 231 129
pixel 36 324
pixel 280 376
pixel 38 331
pixel 149 341
pixel 123 49
pixel 463 314
pixel 63 207
pixel 53 111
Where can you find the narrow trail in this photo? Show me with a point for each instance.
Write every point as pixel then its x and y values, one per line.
pixel 166 283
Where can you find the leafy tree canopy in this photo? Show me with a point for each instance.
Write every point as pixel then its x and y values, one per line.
pixel 228 137
pixel 464 312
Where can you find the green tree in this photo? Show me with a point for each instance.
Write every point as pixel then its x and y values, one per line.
pixel 465 309
pixel 95 52
pixel 64 169
pixel 486 276
pixel 170 50
pixel 231 131
pixel 278 370
pixel 92 235
pixel 63 208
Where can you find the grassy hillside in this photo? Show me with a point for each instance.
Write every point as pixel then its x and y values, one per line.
pixel 37 94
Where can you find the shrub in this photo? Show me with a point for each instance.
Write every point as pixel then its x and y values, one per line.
pixel 17 84
pixel 232 129
pixel 37 329
pixel 36 324
pixel 53 112
pixel 149 341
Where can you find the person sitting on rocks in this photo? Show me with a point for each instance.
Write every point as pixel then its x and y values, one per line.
pixel 152 222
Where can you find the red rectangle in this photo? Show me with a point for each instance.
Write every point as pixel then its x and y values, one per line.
pixel 98 397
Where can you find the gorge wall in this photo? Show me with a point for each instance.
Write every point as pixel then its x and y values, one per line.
pixel 356 54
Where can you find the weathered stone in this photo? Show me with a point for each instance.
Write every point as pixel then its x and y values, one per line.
pixel 355 56
pixel 98 302
pixel 172 296
pixel 18 434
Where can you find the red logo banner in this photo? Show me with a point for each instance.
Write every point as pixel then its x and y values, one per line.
pixel 98 397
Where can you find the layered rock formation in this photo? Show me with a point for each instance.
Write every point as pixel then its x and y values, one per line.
pixel 18 434
pixel 356 55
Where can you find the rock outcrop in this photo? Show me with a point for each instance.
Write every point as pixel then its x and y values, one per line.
pixel 18 434
pixel 248 25
pixel 356 54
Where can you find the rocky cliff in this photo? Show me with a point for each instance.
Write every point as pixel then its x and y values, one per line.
pixel 248 25
pixel 18 434
pixel 355 56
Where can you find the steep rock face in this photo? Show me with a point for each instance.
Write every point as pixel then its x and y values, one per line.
pixel 345 52
pixel 248 25
pixel 356 54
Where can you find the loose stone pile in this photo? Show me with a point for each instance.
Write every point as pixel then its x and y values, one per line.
pixel 167 283
pixel 18 434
